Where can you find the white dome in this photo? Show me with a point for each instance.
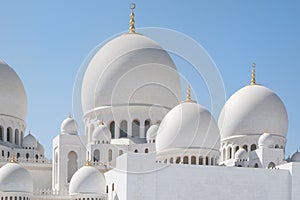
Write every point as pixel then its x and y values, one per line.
pixel 266 140
pixel 254 109
pixel 130 69
pixel 87 180
pixel 69 126
pixel 29 141
pixel 101 133
pixel 152 132
pixel 13 99
pixel 295 157
pixel 188 125
pixel 15 178
pixel 241 154
pixel 40 148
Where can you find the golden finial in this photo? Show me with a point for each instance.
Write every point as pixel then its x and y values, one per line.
pixel 88 162
pixel 188 96
pixel 13 159
pixel 253 82
pixel 132 28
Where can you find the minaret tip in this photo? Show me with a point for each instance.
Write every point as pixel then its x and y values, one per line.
pixel 253 81
pixel 132 27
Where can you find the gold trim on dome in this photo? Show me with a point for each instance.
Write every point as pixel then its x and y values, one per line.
pixel 253 81
pixel 132 27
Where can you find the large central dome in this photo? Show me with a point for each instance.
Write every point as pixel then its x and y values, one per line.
pixel 13 99
pixel 130 69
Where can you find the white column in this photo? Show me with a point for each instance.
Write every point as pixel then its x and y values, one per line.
pixel 13 137
pixel 117 129
pixel 4 134
pixel 142 129
pixel 129 127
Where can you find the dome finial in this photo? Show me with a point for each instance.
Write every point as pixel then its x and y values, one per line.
pixel 88 162
pixel 253 82
pixel 188 95
pixel 13 159
pixel 131 27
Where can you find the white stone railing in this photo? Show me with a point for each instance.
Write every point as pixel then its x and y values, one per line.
pixel 50 192
pixel 27 160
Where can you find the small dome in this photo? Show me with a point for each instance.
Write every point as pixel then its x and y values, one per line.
pixel 87 180
pixel 252 110
pixel 266 140
pixel 102 134
pixel 295 157
pixel 130 69
pixel 69 126
pixel 29 141
pixel 40 148
pixel 15 178
pixel 188 125
pixel 152 132
pixel 241 154
pixel 13 99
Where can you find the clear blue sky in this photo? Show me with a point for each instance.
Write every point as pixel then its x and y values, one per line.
pixel 46 42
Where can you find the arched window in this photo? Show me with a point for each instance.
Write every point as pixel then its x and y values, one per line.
pixel 253 147
pixel 1 133
pixel 256 165
pixel 120 152
pixel 212 161
pixel 8 154
pixel 136 128
pixel 236 148
pixel 245 147
pixel 18 155
pixel 96 155
pixel 206 160
pixel 72 164
pixel 271 165
pixel 147 125
pixel 200 160
pixel 193 160
pixel 9 134
pixel 2 153
pixel 136 151
pixel 276 146
pixel 112 129
pixel 17 141
pixel 185 160
pixel 171 160
pixel 123 129
pixel 109 155
pixel 177 160
pixel 36 157
pixel 146 150
pixel 27 155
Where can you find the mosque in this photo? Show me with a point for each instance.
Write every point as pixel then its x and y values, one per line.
pixel 142 141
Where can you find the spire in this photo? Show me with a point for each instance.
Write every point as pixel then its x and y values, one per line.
pixel 131 27
pixel 253 82
pixel 88 162
pixel 188 95
pixel 13 159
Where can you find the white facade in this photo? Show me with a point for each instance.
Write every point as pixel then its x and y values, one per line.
pixel 141 141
